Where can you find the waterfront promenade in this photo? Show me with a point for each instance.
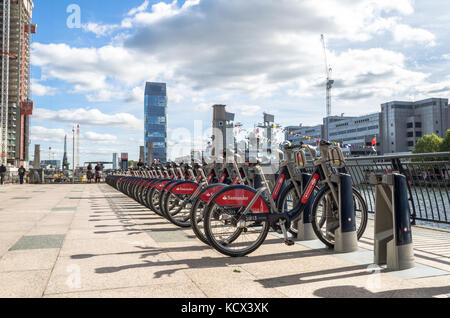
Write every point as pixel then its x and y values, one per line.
pixel 92 241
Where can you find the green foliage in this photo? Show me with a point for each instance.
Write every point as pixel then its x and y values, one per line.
pixel 428 144
pixel 132 164
pixel 445 145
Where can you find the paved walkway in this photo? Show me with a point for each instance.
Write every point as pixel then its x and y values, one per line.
pixel 91 241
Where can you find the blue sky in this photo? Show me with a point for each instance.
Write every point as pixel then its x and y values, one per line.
pixel 253 55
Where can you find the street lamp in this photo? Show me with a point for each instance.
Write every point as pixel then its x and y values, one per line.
pixel 73 156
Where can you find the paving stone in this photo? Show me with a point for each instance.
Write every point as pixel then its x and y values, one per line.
pixel 64 209
pixel 29 284
pixel 177 290
pixel 38 242
pixel 28 260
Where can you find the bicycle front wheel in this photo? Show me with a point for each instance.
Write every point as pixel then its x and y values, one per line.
pixel 325 216
pixel 226 228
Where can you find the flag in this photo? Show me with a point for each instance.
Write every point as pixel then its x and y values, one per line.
pixel 374 141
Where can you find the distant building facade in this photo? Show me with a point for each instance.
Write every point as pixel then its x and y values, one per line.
pixel 362 133
pixel 397 128
pixel 51 164
pixel 404 123
pixel 156 121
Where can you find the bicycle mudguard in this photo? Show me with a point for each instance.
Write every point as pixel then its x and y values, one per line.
pixel 184 187
pixel 238 196
pixel 161 184
pixel 207 193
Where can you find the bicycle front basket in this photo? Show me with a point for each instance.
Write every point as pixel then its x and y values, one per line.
pixel 336 157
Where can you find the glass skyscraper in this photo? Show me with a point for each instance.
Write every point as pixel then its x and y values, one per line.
pixel 156 121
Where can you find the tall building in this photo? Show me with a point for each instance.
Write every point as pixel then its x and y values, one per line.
pixel 15 103
pixel 156 121
pixel 116 161
pixel 65 161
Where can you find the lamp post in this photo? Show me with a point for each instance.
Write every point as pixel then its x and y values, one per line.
pixel 73 156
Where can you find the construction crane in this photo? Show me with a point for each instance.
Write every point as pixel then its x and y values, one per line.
pixel 329 86
pixel 330 82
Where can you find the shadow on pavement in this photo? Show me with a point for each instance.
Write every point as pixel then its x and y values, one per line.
pixel 360 292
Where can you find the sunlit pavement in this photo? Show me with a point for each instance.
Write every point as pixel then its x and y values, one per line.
pixel 92 241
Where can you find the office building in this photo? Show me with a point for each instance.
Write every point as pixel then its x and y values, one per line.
pixel 362 134
pixel 404 123
pixel 15 104
pixel 156 121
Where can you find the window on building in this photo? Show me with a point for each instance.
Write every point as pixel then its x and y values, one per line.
pixel 409 125
pixel 418 134
pixel 410 134
pixel 418 125
pixel 410 143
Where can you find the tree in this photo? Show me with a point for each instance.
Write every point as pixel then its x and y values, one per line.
pixel 428 144
pixel 445 145
pixel 132 164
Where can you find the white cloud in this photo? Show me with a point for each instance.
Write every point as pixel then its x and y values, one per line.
pixel 99 29
pixel 141 8
pixel 100 138
pixel 245 110
pixel 41 134
pixel 90 117
pixel 226 47
pixel 405 34
pixel 42 90
pixel 203 107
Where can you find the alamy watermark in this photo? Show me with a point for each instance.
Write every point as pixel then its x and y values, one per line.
pixel 74 18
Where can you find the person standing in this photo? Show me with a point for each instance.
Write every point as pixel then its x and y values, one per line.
pixel 2 174
pixel 98 172
pixel 90 175
pixel 22 172
pixel 140 164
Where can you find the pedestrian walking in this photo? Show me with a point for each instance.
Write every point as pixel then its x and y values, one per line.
pixel 22 172
pixel 2 174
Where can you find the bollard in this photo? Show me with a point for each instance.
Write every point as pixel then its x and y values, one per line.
pixel 304 225
pixel 346 239
pixel 392 233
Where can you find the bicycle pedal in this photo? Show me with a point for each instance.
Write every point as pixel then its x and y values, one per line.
pixel 289 242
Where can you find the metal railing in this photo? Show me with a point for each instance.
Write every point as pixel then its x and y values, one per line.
pixel 428 178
